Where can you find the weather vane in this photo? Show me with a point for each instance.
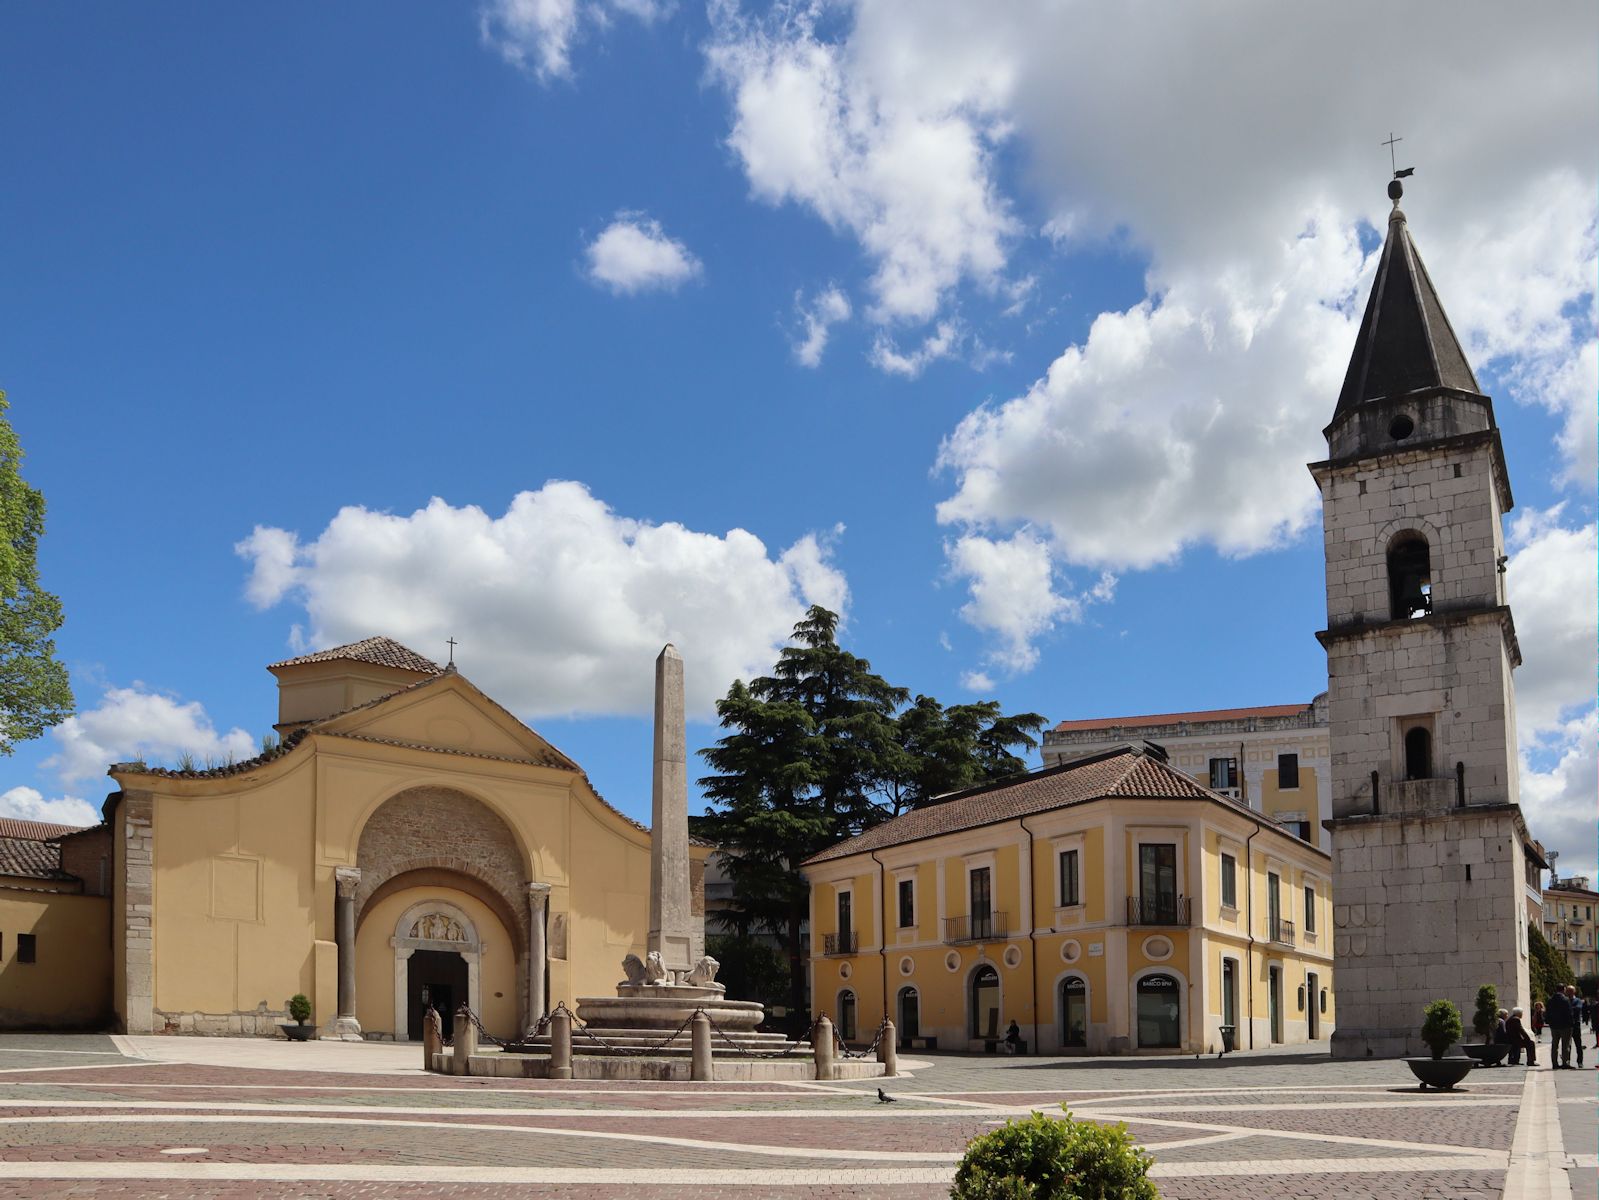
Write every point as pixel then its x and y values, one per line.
pixel 1395 188
pixel 453 644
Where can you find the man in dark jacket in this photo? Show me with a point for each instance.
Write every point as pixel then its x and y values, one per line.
pixel 1557 1015
pixel 1579 1018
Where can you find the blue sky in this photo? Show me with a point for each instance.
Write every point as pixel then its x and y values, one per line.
pixel 276 279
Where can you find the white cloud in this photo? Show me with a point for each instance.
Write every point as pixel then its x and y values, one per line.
pixel 941 343
pixel 977 681
pixel 537 36
pixel 1550 583
pixel 817 317
pixel 137 723
pixel 1559 800
pixel 29 804
pixel 1013 596
pixel 560 604
pixel 903 163
pixel 633 254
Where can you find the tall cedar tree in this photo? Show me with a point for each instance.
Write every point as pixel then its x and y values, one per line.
pixel 34 692
pixel 815 755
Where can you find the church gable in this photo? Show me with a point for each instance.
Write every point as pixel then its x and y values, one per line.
pixel 446 713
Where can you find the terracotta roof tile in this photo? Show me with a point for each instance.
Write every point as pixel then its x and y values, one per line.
pixel 1213 714
pixel 1124 773
pixel 13 827
pixel 31 858
pixel 381 651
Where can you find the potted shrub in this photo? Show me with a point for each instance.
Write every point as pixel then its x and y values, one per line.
pixel 300 1010
pixel 1441 1029
pixel 1044 1156
pixel 1483 1020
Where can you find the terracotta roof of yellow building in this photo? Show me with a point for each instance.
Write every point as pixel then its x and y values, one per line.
pixel 30 858
pixel 1128 773
pixel 14 827
pixel 380 651
pixel 1179 718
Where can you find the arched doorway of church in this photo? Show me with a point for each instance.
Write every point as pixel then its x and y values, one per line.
pixel 433 946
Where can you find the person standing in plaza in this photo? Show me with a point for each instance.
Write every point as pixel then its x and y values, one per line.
pixel 1516 1034
pixel 1537 1019
pixel 1579 1018
pixel 1557 1015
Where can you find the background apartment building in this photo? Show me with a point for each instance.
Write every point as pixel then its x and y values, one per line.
pixel 1568 922
pixel 1273 758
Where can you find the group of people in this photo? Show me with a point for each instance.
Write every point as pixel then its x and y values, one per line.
pixel 1564 1015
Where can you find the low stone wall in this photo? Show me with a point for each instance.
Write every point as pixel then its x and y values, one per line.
pixel 666 1070
pixel 258 1022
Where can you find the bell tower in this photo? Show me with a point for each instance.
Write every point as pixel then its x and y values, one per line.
pixel 1429 845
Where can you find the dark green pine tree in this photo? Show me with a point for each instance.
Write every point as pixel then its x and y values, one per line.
pixel 809 749
pixel 947 749
pixel 34 691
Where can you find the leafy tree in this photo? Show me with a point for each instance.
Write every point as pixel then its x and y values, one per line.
pixel 34 692
pixel 1487 1012
pixel 817 752
pixel 751 967
pixel 810 745
pixel 1547 969
pixel 947 749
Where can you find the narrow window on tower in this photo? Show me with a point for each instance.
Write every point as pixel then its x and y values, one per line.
pixel 1409 576
pixel 1418 753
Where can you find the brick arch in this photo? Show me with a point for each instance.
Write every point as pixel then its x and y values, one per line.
pixel 447 832
pixel 446 873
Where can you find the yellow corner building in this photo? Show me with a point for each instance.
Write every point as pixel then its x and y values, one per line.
pixel 1107 905
pixel 408 843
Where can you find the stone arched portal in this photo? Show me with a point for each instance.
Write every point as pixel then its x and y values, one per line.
pixel 441 836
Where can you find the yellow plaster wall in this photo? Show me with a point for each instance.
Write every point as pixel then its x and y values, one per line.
pixel 374 961
pixel 69 984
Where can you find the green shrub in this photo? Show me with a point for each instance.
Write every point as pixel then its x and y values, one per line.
pixel 1487 1012
pixel 1041 1158
pixel 1547 969
pixel 1441 1027
pixel 299 1008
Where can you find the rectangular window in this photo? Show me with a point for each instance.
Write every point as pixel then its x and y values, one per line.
pixel 1229 881
pixel 1157 882
pixel 982 895
pixel 1223 773
pixel 1288 770
pixel 845 921
pixel 25 948
pixel 1274 910
pixel 1310 910
pixel 1069 884
pixel 907 903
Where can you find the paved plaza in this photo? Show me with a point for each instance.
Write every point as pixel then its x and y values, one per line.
pixel 193 1117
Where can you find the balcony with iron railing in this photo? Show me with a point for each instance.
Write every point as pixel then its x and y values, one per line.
pixel 1281 932
pixel 979 927
pixel 1157 910
pixel 840 943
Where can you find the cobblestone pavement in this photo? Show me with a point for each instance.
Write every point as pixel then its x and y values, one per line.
pixel 77 1119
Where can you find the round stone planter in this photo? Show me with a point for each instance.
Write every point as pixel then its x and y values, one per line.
pixel 1441 1073
pixel 297 1033
pixel 1487 1056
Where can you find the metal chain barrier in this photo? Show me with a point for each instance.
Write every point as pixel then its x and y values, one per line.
pixel 844 1052
pixel 794 1047
pixel 631 1051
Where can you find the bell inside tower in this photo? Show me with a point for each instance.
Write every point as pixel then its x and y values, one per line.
pixel 1410 577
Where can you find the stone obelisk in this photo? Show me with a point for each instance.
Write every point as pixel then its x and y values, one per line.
pixel 671 917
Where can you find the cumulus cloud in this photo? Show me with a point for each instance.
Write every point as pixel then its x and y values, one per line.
pixel 537 36
pixel 941 343
pixel 817 317
pixel 1558 799
pixel 138 723
pixel 633 254
pixel 29 804
pixel 560 603
pixel 1183 419
pixel 902 162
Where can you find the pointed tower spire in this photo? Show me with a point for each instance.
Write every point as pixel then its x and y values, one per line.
pixel 1406 343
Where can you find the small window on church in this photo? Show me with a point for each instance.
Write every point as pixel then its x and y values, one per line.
pixel 27 948
pixel 1418 754
pixel 1409 577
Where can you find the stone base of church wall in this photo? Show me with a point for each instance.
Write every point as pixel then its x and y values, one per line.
pixel 257 1022
pixel 1424 908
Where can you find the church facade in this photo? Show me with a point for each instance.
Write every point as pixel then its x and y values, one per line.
pixel 1432 862
pixel 407 843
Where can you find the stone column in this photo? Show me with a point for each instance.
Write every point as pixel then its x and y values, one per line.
pixel 671 913
pixel 538 903
pixel 346 1028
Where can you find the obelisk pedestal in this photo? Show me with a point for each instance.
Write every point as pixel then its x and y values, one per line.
pixel 671 915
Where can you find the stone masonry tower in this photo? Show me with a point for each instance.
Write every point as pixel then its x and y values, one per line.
pixel 1429 858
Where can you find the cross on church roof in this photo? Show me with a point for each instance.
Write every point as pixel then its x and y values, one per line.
pixel 452 644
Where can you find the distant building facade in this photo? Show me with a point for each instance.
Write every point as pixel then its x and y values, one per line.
pixel 1569 907
pixel 55 932
pixel 1110 904
pixel 1272 758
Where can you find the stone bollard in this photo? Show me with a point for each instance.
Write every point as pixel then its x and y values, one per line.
pixel 465 1043
pixel 432 1039
pixel 888 1051
pixel 561 1044
pixel 700 1069
pixel 822 1042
